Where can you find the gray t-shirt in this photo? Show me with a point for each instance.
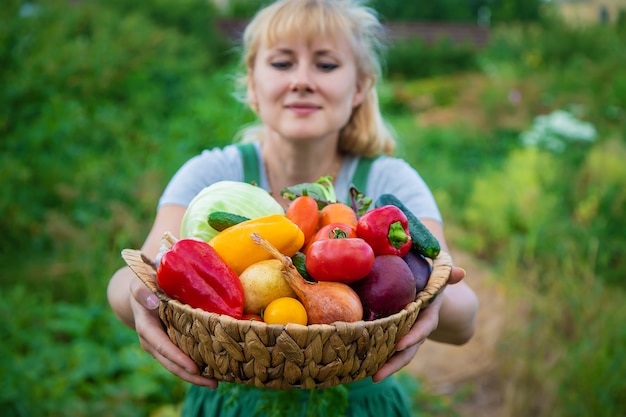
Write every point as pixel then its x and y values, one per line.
pixel 387 175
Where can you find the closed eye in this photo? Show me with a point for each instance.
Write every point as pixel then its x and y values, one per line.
pixel 281 65
pixel 327 66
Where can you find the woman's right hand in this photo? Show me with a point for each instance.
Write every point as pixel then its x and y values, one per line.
pixel 137 307
pixel 154 340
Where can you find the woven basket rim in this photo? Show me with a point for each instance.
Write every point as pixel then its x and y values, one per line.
pixel 148 277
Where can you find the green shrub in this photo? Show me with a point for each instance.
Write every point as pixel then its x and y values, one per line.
pixel 194 18
pixel 443 10
pixel 85 84
pixel 459 10
pixel 598 197
pixel 101 107
pixel 450 158
pixel 574 65
pixel 243 8
pixel 68 358
pixel 528 203
pixel 530 49
pixel 413 58
pixel 510 202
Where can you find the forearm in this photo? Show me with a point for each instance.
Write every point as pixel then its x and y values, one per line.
pixel 118 293
pixel 457 316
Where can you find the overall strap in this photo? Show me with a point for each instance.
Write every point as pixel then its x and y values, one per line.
pixel 251 167
pixel 250 163
pixel 359 179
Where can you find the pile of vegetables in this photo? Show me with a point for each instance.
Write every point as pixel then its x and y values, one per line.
pixel 318 262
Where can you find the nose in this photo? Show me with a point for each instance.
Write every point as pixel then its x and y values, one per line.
pixel 302 81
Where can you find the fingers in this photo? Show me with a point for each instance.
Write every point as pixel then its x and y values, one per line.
pixel 457 274
pixel 174 360
pixel 426 322
pixel 143 295
pixel 155 341
pixel 407 347
pixel 398 361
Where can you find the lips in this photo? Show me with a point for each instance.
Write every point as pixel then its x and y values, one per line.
pixel 303 108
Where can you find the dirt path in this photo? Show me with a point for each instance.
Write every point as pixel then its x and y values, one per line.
pixel 446 369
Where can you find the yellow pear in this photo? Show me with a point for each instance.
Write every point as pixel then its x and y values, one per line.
pixel 262 283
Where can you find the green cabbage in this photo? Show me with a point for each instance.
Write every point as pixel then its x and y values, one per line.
pixel 233 197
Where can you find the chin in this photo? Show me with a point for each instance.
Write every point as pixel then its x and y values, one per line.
pixel 303 136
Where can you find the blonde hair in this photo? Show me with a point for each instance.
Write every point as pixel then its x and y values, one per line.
pixel 366 133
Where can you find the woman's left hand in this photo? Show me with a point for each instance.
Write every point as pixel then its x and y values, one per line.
pixel 427 321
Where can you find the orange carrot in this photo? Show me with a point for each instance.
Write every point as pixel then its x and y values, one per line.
pixel 303 212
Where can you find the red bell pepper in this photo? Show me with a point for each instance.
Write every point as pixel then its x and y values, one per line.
pixel 386 229
pixel 193 273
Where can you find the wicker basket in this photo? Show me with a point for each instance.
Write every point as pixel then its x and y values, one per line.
pixel 284 357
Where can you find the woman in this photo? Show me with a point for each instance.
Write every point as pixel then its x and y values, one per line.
pixel 311 68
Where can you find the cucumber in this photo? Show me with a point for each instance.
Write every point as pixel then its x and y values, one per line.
pixel 221 220
pixel 424 242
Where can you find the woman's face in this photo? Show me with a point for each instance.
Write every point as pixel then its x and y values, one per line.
pixel 305 91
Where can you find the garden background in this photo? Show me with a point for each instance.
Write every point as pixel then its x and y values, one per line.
pixel 521 139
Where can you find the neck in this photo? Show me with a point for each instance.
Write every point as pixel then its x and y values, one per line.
pixel 288 163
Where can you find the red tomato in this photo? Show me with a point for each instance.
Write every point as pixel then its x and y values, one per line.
pixel 345 259
pixel 331 231
pixel 334 230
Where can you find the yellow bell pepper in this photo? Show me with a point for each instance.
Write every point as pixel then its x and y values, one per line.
pixel 238 250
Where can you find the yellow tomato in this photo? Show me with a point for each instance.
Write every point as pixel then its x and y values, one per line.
pixel 285 310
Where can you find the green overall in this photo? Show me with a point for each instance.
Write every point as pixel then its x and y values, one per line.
pixel 383 399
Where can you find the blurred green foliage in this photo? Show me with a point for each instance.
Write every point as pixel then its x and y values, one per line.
pixel 74 359
pixel 414 58
pixel 500 11
pixel 549 221
pixel 458 10
pixel 102 101
pixel 83 82
pixel 87 89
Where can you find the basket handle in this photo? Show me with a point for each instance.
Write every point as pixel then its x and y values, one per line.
pixel 442 266
pixel 144 268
